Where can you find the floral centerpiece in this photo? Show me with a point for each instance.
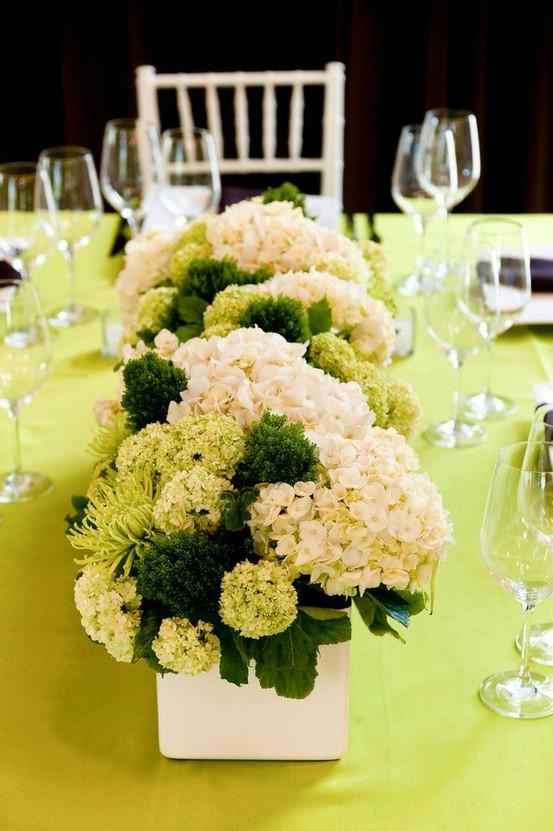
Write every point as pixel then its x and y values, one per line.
pixel 249 489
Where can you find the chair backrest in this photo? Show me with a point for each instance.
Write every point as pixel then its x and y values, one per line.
pixel 332 79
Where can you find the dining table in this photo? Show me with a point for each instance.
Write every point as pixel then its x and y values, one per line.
pixel 78 731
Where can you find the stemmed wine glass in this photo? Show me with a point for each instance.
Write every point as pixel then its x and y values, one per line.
pixel 499 290
pixel 131 168
pixel 191 181
pixel 24 366
pixel 413 200
pixel 457 334
pixel 17 204
pixel 517 548
pixel 448 159
pixel 69 205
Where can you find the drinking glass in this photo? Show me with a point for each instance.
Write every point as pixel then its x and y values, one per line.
pixel 448 160
pixel 499 289
pixel 456 333
pixel 131 168
pixel 24 366
pixel 413 200
pixel 517 548
pixel 69 205
pixel 18 229
pixel 191 182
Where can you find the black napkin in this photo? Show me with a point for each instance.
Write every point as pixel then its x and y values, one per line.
pixel 542 274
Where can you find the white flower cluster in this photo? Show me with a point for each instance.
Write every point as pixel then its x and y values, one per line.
pixel 279 236
pixel 251 371
pixel 376 520
pixel 369 322
pixel 109 609
pixel 147 260
pixel 182 647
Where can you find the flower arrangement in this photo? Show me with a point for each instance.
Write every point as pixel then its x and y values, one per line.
pixel 264 263
pixel 242 501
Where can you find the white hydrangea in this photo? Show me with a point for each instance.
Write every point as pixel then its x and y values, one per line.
pixel 251 371
pixel 147 259
pixel 109 609
pixel 370 323
pixel 376 520
pixel 279 236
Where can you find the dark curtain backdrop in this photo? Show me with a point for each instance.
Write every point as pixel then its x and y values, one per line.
pixel 66 71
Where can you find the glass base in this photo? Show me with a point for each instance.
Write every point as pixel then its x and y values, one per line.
pixel 483 406
pixel 22 487
pixel 410 285
pixel 450 434
pixel 74 315
pixel 540 644
pixel 507 694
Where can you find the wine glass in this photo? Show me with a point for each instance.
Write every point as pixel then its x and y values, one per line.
pixel 17 195
pixel 24 366
pixel 457 334
pixel 517 548
pixel 448 160
pixel 191 181
pixel 413 200
pixel 131 168
pixel 499 290
pixel 69 204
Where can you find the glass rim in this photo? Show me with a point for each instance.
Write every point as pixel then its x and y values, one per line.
pixel 511 448
pixel 496 220
pixel 18 169
pixel 65 151
pixel 450 113
pixel 200 132
pixel 129 122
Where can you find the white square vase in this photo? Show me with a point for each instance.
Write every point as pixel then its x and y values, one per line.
pixel 204 717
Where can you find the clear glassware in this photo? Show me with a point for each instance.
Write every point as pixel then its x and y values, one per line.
pixel 24 366
pixel 191 181
pixel 69 205
pixel 131 168
pixel 448 160
pixel 457 334
pixel 499 290
pixel 517 548
pixel 414 201
pixel 17 198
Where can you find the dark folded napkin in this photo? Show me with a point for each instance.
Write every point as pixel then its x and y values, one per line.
pixel 541 271
pixel 542 274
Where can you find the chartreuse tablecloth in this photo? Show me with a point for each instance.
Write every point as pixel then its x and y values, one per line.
pixel 78 745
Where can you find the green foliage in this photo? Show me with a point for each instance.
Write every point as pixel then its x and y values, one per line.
pixel 149 627
pixel 320 317
pixel 377 605
pixel 183 573
pixel 150 385
pixel 277 450
pixel 287 192
pixel 206 277
pixel 234 663
pixel 190 311
pixel 283 315
pixel 236 508
pixel 75 520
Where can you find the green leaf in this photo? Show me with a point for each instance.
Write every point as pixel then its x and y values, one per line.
pixel 287 662
pixel 75 520
pixel 188 331
pixel 416 601
pixel 236 508
pixel 233 666
pixel 191 308
pixel 374 616
pixel 392 604
pixel 149 627
pixel 320 317
pixel 320 613
pixel 146 335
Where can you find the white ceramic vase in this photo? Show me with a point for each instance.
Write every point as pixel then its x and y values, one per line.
pixel 204 717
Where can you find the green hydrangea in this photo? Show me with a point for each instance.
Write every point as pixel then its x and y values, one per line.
pixel 182 647
pixel 258 599
pixel 379 286
pixel 283 315
pixel 156 310
pixel 191 245
pixel 191 501
pixel 277 450
pixel 404 408
pixel 182 573
pixel 339 267
pixel 151 383
pixel 226 310
pixel 215 441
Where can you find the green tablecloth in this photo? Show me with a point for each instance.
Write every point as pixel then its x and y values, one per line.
pixel 78 731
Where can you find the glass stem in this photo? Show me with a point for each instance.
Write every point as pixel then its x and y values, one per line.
pixel 133 223
pixel 14 413
pixel 524 671
pixel 489 355
pixel 458 399
pixel 420 260
pixel 70 259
